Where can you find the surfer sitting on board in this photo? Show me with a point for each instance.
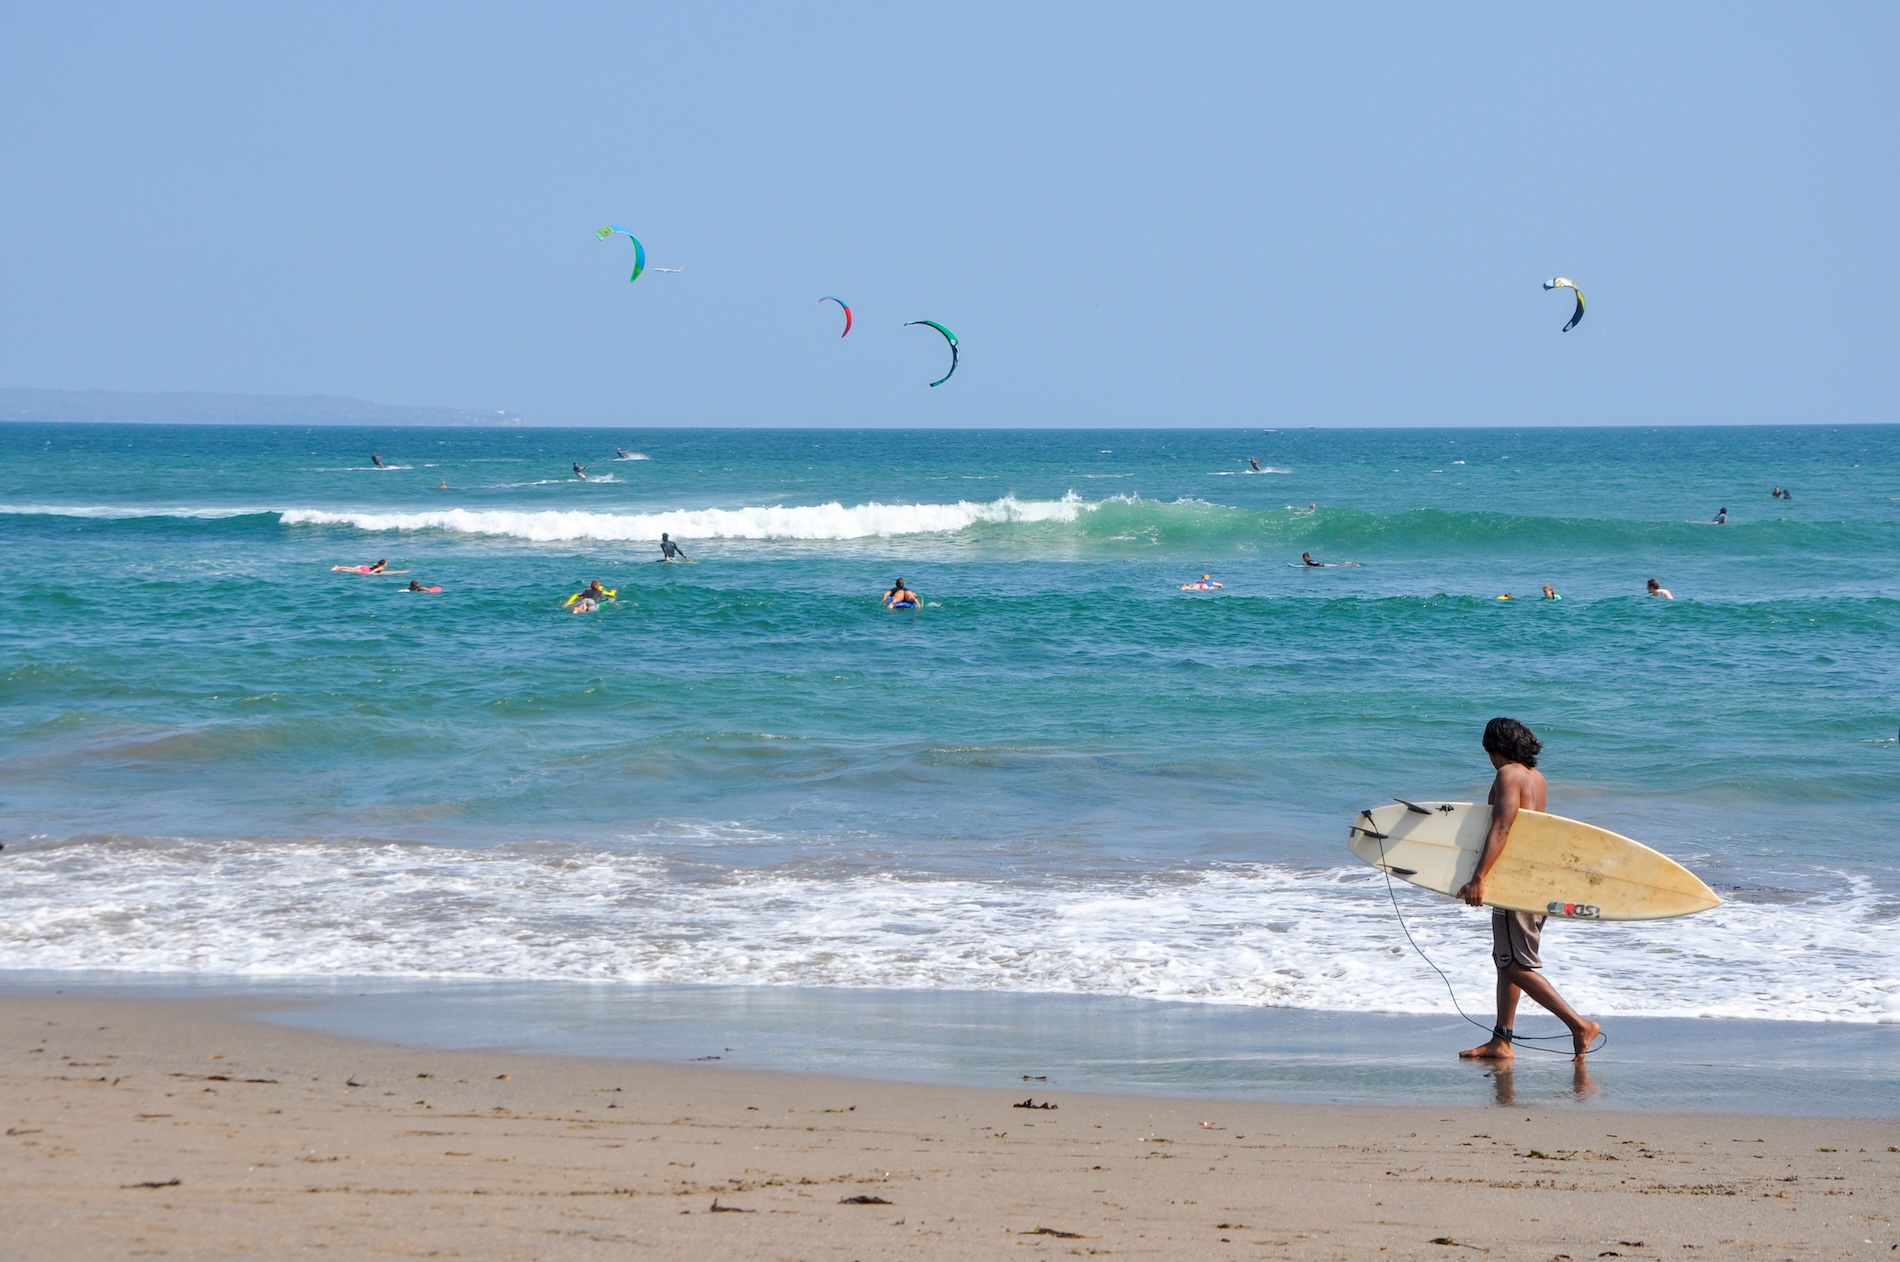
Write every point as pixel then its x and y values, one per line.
pixel 670 551
pixel 900 597
pixel 1513 750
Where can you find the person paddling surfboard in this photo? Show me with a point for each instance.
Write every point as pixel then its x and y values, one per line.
pixel 1515 935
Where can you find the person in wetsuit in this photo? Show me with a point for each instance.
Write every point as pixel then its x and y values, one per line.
pixel 591 598
pixel 1308 558
pixel 1255 464
pixel 901 597
pixel 580 470
pixel 670 551
pixel 377 460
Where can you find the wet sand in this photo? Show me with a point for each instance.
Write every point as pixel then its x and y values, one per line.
pixel 177 1127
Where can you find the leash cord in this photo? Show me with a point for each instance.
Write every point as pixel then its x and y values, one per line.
pixel 1531 1039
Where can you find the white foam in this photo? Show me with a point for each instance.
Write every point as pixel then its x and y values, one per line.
pixel 816 521
pixel 1255 934
pixel 123 512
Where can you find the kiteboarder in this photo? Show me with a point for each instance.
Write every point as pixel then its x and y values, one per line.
pixel 377 460
pixel 1255 464
pixel 1518 786
pixel 580 470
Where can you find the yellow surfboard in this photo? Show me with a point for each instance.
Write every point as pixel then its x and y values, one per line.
pixel 1551 865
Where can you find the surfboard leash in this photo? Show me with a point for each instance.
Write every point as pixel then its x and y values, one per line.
pixel 1530 1040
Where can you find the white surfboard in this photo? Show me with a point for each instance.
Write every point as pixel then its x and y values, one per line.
pixel 1551 865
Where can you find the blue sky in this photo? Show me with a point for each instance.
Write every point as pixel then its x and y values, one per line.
pixel 1132 215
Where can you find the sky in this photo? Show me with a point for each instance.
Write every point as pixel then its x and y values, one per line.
pixel 1155 215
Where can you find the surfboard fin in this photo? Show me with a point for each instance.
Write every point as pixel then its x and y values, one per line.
pixel 1357 828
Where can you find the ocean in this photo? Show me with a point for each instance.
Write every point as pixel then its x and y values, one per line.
pixel 1063 775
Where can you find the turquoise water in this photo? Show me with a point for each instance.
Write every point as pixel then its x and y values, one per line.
pixel 1063 774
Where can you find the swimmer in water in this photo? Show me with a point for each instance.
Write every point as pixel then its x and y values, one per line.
pixel 1550 593
pixel 580 471
pixel 1721 516
pixel 1207 584
pixel 1308 558
pixel 1657 589
pixel 670 551
pixel 377 460
pixel 444 486
pixel 1255 464
pixel 591 598
pixel 415 585
pixel 901 597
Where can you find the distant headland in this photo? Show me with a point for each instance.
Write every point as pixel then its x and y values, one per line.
pixel 186 407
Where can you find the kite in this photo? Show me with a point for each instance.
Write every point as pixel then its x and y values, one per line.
pixel 949 337
pixel 847 311
pixel 1561 282
pixel 639 251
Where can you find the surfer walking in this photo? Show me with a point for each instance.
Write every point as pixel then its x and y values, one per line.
pixel 1515 935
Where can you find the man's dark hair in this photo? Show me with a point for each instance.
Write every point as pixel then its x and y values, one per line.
pixel 1512 741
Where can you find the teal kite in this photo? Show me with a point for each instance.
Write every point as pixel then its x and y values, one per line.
pixel 949 337
pixel 639 251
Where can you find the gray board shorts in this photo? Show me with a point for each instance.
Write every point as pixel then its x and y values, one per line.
pixel 1514 938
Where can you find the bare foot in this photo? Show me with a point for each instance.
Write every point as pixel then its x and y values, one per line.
pixel 1581 1039
pixel 1496 1049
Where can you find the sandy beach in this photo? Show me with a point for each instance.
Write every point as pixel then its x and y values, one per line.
pixel 182 1128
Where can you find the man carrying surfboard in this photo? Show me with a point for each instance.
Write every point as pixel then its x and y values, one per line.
pixel 1515 935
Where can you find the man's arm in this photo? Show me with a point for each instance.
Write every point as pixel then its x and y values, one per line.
pixel 1510 790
